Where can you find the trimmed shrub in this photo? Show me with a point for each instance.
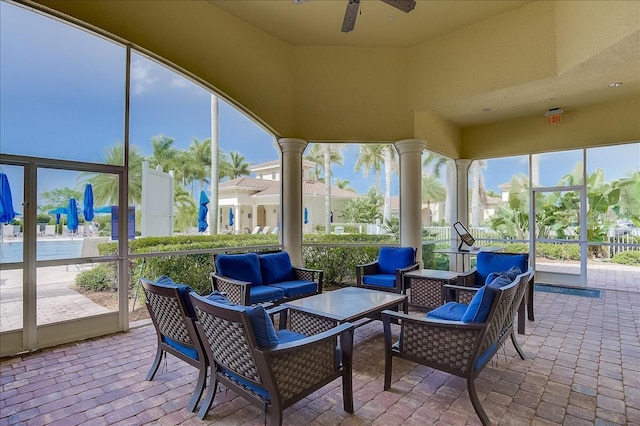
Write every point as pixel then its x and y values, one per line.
pixel 102 277
pixel 627 258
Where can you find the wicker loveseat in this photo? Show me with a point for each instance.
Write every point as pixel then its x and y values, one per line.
pixel 457 338
pixel 251 278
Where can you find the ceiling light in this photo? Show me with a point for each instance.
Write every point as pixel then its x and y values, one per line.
pixel 616 84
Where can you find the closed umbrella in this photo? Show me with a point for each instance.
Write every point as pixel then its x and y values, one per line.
pixel 88 203
pixel 230 216
pixel 202 212
pixel 306 216
pixel 6 200
pixel 72 215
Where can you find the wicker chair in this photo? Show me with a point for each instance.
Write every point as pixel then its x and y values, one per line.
pixel 387 272
pixel 459 348
pixel 275 377
pixel 174 321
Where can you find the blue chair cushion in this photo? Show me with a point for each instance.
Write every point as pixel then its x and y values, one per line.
pixel 190 352
pixel 450 311
pixel 262 326
pixel 264 293
pixel 296 288
pixel 286 336
pixel 183 292
pixel 480 305
pixel 392 258
pixel 380 280
pixel 242 267
pixel 487 262
pixel 275 267
pixel 512 273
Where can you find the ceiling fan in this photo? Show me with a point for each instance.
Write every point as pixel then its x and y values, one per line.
pixel 351 13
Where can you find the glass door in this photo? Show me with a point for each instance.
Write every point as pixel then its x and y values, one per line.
pixel 559 243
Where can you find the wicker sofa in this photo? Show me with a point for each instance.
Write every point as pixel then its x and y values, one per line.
pixel 250 278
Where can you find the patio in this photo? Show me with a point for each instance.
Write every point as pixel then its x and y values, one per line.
pixel 582 367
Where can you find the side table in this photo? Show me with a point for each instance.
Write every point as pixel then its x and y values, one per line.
pixel 426 287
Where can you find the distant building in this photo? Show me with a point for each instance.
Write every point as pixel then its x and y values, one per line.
pixel 255 200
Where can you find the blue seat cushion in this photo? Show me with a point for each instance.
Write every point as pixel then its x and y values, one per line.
pixel 275 267
pixel 264 293
pixel 451 311
pixel 487 262
pixel 286 336
pixel 392 258
pixel 190 352
pixel 242 267
pixel 296 288
pixel 183 292
pixel 512 273
pixel 481 304
pixel 380 280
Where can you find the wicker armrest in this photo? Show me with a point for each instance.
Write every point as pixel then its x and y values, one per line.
pixel 453 293
pixel 409 268
pixel 344 330
pixel 446 345
pixel 467 279
pixel 309 275
pixel 236 291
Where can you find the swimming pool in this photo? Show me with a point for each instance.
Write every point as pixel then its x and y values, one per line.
pixel 11 251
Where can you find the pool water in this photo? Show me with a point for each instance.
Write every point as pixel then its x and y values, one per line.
pixel 11 251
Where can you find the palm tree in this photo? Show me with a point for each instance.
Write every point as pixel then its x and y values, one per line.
pixel 164 154
pixel 432 191
pixel 200 153
pixel 478 191
pixel 437 163
pixel 238 165
pixel 344 184
pixel 105 186
pixel 390 164
pixel 370 157
pixel 316 156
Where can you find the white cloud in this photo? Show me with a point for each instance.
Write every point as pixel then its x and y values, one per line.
pixel 180 83
pixel 141 78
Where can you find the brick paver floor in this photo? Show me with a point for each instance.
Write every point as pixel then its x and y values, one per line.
pixel 582 368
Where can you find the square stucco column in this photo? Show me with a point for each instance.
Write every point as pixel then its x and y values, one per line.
pixel 456 262
pixel 410 152
pixel 291 197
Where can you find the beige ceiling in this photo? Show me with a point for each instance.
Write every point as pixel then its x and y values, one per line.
pixel 318 23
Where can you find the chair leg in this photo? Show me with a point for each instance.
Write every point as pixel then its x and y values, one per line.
pixel 156 364
pixel 347 391
pixel 473 395
pixel 211 394
pixel 530 301
pixel 516 344
pixel 197 392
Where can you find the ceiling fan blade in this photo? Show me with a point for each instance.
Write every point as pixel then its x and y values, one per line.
pixel 350 15
pixel 403 5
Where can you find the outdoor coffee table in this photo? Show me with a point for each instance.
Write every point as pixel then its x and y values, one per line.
pixel 349 304
pixel 425 287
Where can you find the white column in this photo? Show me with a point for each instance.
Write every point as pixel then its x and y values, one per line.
pixel 237 219
pixel 410 151
pixel 456 262
pixel 254 216
pixel 291 197
pixel 451 213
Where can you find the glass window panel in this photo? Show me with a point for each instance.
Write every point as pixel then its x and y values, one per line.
pixel 171 126
pixel 69 292
pixel 11 299
pixel 499 198
pixel 62 88
pixel 12 231
pixel 558 168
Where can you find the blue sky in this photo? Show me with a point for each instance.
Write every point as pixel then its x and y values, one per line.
pixel 62 97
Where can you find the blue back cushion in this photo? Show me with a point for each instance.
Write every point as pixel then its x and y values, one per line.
pixel 488 262
pixel 262 326
pixel 242 267
pixel 183 292
pixel 511 274
pixel 275 267
pixel 450 311
pixel 392 258
pixel 480 306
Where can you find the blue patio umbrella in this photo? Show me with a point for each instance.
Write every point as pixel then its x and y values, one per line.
pixel 331 220
pixel 103 209
pixel 58 212
pixel 230 216
pixel 6 200
pixel 57 219
pixel 306 216
pixel 87 200
pixel 202 212
pixel 72 215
